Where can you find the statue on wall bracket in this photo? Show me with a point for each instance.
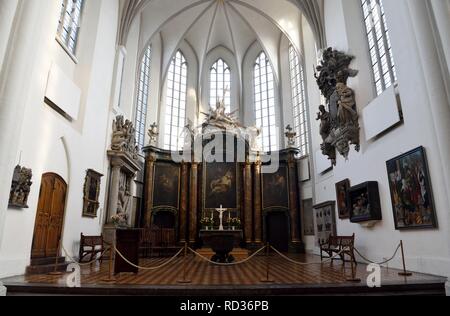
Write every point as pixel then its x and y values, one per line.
pixel 20 187
pixel 339 124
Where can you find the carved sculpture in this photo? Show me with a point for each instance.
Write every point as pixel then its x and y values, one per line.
pixel 219 118
pixel 124 137
pixel 153 133
pixel 339 125
pixel 20 187
pixel 290 135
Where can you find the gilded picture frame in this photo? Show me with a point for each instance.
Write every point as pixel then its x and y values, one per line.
pixel 91 193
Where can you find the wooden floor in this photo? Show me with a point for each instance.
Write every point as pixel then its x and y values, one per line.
pixel 245 279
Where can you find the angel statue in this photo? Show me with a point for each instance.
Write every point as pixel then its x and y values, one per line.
pixel 153 134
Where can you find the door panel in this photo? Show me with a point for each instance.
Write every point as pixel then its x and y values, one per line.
pixel 278 231
pixel 49 216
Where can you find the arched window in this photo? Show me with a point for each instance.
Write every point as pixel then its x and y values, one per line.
pixel 299 101
pixel 379 45
pixel 264 98
pixel 219 80
pixel 69 23
pixel 175 119
pixel 142 97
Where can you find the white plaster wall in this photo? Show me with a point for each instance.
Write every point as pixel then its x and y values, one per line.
pixel 7 14
pixel 50 143
pixel 426 250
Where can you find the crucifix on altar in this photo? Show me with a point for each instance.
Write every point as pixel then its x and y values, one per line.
pixel 221 211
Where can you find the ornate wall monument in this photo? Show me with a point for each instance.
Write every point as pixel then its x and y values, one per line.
pixel 124 161
pixel 339 125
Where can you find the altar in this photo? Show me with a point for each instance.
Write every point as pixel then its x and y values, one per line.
pixel 222 243
pixel 183 190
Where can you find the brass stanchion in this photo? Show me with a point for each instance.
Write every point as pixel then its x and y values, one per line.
pixel 55 272
pixel 111 278
pixel 405 273
pixel 185 280
pixel 268 279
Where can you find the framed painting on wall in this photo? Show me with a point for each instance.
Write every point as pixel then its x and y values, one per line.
pixel 411 191
pixel 342 198
pixel 91 193
pixel 365 203
pixel 325 221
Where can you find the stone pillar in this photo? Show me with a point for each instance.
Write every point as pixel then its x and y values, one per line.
pixel 184 201
pixel 114 190
pixel 193 201
pixel 15 85
pixel 257 203
pixel 248 205
pixel 149 174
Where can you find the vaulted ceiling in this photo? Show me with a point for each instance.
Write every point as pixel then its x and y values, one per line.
pixel 222 22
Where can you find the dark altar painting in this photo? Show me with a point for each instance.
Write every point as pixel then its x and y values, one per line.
pixel 411 191
pixel 275 189
pixel 220 186
pixel 342 198
pixel 166 185
pixel 365 203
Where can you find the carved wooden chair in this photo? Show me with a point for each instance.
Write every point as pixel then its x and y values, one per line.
pixel 348 248
pixel 339 245
pixel 91 246
pixel 329 248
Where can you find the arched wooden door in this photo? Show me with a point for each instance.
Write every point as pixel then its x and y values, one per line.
pixel 49 216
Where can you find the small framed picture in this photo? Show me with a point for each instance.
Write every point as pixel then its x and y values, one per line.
pixel 365 203
pixel 342 198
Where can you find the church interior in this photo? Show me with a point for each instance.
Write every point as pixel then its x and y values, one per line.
pixel 221 147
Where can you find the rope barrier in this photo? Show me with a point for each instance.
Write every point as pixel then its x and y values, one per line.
pixel 83 264
pixel 148 268
pixel 306 263
pixel 381 263
pixel 227 264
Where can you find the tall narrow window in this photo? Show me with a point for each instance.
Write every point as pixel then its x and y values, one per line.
pixel 176 103
pixel 219 81
pixel 69 23
pixel 264 89
pixel 299 101
pixel 379 45
pixel 142 97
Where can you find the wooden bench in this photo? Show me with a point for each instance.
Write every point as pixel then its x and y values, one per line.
pixel 91 246
pixel 342 245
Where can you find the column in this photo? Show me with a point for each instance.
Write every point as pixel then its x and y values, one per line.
pixel 184 201
pixel 15 84
pixel 257 203
pixel 248 205
pixel 114 190
pixel 193 201
pixel 293 201
pixel 149 175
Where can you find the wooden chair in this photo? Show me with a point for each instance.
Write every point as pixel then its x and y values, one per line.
pixel 91 246
pixel 342 245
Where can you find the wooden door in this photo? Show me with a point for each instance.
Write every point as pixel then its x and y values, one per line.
pixel 278 231
pixel 49 216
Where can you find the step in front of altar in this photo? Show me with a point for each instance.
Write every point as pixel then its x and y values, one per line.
pixel 239 254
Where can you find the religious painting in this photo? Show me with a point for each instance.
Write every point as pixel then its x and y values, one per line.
pixel 166 185
pixel 411 191
pixel 91 202
pixel 365 203
pixel 275 188
pixel 220 188
pixel 342 198
pixel 325 221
